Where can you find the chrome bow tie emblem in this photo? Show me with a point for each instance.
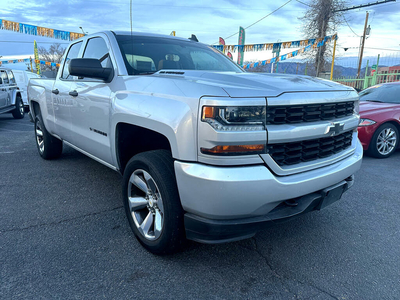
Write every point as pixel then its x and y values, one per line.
pixel 334 129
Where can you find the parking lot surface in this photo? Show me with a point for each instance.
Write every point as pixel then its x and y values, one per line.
pixel 64 235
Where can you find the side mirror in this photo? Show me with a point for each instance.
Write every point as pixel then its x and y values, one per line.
pixel 89 67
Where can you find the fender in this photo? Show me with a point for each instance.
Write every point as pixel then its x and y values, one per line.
pixel 177 122
pixel 38 94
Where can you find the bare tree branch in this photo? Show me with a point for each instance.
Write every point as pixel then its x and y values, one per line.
pixel 54 54
pixel 319 21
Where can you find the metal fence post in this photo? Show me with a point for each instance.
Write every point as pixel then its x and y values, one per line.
pixel 366 77
pixel 375 76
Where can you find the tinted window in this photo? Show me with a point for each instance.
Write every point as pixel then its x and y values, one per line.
pixel 388 93
pixel 144 55
pixel 97 48
pixel 203 60
pixel 4 77
pixel 72 53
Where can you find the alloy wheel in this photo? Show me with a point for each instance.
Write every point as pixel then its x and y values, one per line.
pixel 145 204
pixel 386 141
pixel 21 107
pixel 39 137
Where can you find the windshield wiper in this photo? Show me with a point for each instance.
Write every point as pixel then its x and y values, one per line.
pixel 146 73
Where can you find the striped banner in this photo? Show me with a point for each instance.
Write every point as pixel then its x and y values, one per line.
pixel 39 31
pixel 25 60
pixel 317 43
pixel 268 46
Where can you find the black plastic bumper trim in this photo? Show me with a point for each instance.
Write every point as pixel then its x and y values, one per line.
pixel 212 231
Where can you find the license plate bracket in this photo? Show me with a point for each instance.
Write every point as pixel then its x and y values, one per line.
pixel 331 195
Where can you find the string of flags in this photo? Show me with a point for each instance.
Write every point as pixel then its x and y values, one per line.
pixel 317 43
pixel 27 60
pixel 39 31
pixel 269 46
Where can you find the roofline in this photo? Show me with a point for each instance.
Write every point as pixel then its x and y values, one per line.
pixel 136 34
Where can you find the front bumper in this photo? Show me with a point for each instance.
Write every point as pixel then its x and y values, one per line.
pixel 220 231
pixel 242 192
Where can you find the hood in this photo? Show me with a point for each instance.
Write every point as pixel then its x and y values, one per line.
pixel 369 108
pixel 255 84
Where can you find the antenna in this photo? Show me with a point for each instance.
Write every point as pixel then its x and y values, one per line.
pixel 132 64
pixel 193 38
pixel 131 17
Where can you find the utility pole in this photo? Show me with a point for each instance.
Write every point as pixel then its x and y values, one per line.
pixel 362 46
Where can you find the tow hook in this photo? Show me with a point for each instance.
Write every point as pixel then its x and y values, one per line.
pixel 291 202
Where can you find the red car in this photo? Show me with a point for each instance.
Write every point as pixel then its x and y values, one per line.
pixel 379 125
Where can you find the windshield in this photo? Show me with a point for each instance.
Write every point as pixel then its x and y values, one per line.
pixel 147 55
pixel 388 93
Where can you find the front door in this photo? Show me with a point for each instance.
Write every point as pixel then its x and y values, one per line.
pixel 91 109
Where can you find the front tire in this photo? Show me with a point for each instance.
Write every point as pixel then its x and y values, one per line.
pixel 384 142
pixel 48 146
pixel 19 111
pixel 152 203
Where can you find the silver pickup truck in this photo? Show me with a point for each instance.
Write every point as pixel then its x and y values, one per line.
pixel 207 151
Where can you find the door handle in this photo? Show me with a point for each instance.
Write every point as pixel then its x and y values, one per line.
pixel 73 93
pixel 56 91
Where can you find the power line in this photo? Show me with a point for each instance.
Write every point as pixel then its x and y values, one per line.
pixel 350 27
pixel 382 49
pixel 305 3
pixel 364 5
pixel 259 19
pixel 386 49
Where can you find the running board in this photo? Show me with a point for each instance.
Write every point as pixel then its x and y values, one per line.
pixel 91 156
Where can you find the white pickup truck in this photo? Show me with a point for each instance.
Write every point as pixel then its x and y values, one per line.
pixel 207 151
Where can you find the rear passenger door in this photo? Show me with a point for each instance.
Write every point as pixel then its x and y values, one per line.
pixel 5 98
pixel 12 83
pixel 61 98
pixel 91 109
pixel 3 93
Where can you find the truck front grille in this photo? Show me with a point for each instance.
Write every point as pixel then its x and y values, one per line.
pixel 294 153
pixel 308 113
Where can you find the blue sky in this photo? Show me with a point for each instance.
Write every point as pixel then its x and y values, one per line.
pixel 207 19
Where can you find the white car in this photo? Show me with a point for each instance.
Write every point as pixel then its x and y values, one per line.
pixel 10 96
pixel 22 79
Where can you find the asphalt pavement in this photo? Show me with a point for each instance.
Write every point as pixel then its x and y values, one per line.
pixel 64 235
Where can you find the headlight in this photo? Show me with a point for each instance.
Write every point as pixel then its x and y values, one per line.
pixel 235 118
pixel 366 122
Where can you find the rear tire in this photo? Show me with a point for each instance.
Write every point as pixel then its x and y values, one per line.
pixel 384 142
pixel 152 203
pixel 48 146
pixel 19 111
